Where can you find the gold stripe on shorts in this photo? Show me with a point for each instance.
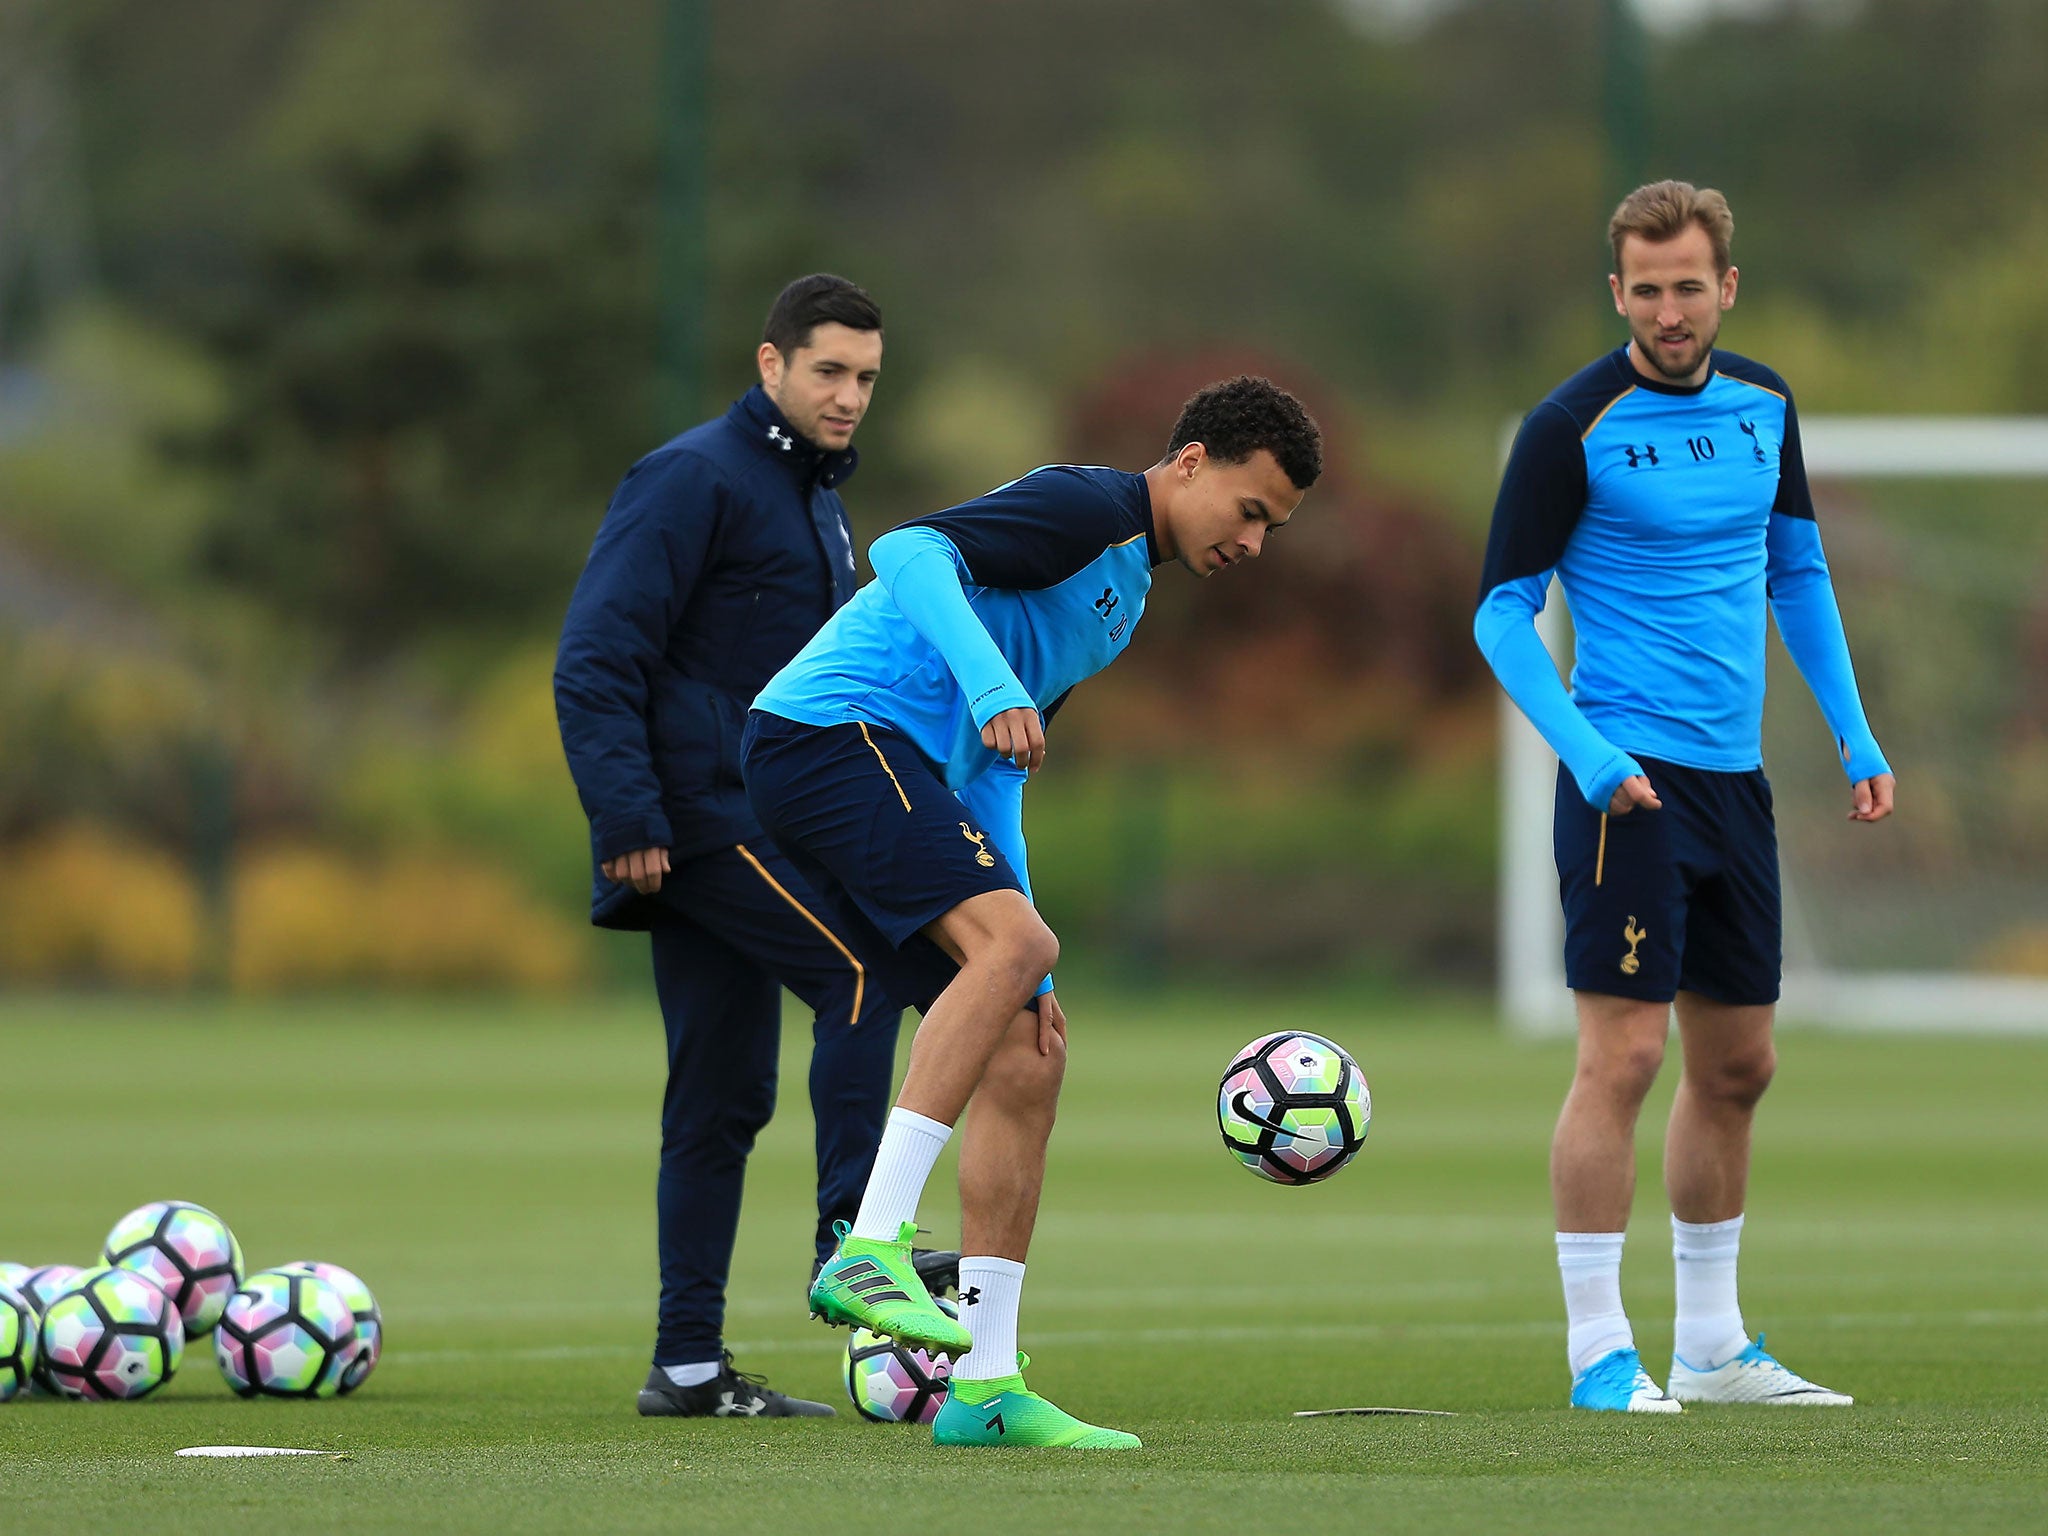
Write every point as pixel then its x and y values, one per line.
pixel 860 972
pixel 864 736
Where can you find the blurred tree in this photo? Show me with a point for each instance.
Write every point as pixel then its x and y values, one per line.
pixel 420 401
pixel 419 242
pixel 1356 622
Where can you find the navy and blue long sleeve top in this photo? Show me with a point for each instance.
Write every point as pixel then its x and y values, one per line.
pixel 1673 517
pixel 1003 602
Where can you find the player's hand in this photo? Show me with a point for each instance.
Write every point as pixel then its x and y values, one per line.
pixel 1872 798
pixel 1051 1021
pixel 642 869
pixel 1016 734
pixel 1634 791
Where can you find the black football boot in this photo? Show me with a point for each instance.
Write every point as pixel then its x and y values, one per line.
pixel 731 1394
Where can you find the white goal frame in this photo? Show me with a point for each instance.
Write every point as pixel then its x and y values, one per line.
pixel 1533 997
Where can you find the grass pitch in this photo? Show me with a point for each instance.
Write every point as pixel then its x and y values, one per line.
pixel 489 1170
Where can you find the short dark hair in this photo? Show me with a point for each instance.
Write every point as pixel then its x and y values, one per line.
pixel 1234 419
pixel 809 302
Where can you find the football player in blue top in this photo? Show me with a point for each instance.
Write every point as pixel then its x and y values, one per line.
pixel 1663 486
pixel 889 760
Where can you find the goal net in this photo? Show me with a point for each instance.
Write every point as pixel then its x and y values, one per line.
pixel 1936 530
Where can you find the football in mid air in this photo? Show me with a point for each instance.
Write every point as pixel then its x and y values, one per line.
pixel 1293 1107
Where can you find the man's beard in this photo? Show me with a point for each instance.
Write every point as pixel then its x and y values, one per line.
pixel 1704 344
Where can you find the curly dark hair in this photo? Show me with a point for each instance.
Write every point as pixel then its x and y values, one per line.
pixel 1237 417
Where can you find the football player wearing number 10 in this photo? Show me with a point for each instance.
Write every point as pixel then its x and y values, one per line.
pixel 889 759
pixel 1664 486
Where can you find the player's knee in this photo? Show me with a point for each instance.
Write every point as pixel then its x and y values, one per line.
pixel 1043 955
pixel 1740 1080
pixel 1626 1070
pixel 1028 952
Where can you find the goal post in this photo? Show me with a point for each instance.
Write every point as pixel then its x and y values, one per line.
pixel 1937 533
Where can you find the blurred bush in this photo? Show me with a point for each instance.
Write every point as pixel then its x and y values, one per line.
pixel 81 904
pixel 307 917
pixel 296 474
pixel 88 487
pixel 2019 951
pixel 491 777
pixel 96 733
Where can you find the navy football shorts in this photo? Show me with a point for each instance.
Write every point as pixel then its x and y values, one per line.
pixel 1683 898
pixel 881 839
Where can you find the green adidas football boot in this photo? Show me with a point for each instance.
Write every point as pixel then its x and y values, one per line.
pixel 869 1283
pixel 1006 1412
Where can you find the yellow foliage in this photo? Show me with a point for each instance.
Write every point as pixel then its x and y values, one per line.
pixel 79 905
pixel 307 918
pixel 2019 951
pixel 511 724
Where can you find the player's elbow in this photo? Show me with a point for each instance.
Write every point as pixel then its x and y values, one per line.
pixel 1493 621
pixel 900 547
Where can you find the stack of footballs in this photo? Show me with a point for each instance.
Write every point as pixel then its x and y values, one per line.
pixel 173 1271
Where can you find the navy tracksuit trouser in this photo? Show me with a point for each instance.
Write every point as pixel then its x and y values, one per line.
pixel 738 925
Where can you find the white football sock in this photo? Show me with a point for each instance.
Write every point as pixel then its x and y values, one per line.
pixel 1708 1332
pixel 911 1143
pixel 1590 1265
pixel 989 1292
pixel 692 1375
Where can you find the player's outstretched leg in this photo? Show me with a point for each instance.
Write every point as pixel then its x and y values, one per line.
pixel 1617 1383
pixel 1006 1412
pixel 1753 1376
pixel 874 1284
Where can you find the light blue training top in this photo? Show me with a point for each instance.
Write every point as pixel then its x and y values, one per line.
pixel 1673 516
pixel 1003 602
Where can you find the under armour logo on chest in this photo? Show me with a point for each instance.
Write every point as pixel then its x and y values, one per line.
pixel 781 439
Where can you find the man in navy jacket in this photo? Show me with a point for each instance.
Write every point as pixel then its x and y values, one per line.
pixel 721 554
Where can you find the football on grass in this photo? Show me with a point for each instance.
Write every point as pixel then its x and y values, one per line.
pixel 285 1335
pixel 110 1336
pixel 369 1316
pixel 893 1383
pixel 187 1251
